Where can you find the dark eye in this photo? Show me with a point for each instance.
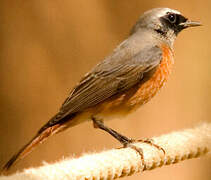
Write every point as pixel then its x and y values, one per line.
pixel 172 18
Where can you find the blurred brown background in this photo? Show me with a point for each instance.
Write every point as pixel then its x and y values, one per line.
pixel 47 46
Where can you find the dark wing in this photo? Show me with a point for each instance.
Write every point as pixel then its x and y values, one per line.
pixel 108 78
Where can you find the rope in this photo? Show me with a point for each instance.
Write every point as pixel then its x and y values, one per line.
pixel 115 163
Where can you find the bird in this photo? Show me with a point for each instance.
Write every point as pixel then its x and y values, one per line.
pixel 122 82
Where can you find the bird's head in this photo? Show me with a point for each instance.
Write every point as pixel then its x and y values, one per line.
pixel 167 23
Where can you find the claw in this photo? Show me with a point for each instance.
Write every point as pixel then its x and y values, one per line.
pixel 137 149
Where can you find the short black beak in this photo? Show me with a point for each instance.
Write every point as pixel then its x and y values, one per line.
pixel 189 23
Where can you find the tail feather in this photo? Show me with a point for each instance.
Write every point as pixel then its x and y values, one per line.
pixel 38 139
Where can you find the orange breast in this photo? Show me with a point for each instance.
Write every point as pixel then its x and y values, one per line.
pixel 154 84
pixel 142 93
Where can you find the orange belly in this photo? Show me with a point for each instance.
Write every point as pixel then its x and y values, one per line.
pixel 130 100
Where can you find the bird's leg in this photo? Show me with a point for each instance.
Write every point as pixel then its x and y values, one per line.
pixel 125 141
pixel 122 139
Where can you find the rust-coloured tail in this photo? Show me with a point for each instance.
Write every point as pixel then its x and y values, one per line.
pixel 38 139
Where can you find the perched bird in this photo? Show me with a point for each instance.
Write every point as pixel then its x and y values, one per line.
pixel 126 79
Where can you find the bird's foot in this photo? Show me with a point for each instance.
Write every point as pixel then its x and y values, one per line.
pixel 151 142
pixel 128 142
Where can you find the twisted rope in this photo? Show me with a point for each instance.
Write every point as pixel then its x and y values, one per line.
pixel 115 163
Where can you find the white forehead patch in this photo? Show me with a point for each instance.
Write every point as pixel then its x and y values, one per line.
pixel 163 11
